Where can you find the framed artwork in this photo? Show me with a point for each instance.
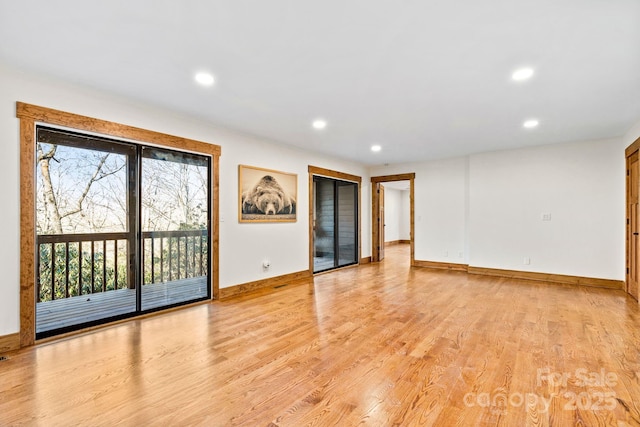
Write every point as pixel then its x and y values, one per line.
pixel 266 195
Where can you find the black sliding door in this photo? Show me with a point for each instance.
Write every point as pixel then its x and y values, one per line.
pixel 122 229
pixel 335 223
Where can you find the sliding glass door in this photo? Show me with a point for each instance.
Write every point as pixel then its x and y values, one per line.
pixel 121 229
pixel 335 223
pixel 175 236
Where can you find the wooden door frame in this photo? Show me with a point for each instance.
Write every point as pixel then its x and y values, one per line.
pixel 635 146
pixel 317 171
pixel 380 190
pixel 375 217
pixel 29 116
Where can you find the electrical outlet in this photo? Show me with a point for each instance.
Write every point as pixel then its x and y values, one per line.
pixel 546 217
pixel 445 253
pixel 266 264
pixel 526 260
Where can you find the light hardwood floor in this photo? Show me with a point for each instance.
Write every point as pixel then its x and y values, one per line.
pixel 376 345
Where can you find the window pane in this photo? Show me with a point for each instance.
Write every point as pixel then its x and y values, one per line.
pixel 175 222
pixel 83 247
pixel 347 223
pixel 80 190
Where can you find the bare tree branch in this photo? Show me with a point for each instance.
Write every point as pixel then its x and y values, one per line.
pixel 94 178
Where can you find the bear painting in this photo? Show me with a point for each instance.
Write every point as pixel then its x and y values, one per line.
pixel 267 197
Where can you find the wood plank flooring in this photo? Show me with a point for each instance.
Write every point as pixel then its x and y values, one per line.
pixel 377 345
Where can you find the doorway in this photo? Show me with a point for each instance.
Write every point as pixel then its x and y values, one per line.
pixel 632 224
pixel 334 223
pixel 395 212
pixel 378 213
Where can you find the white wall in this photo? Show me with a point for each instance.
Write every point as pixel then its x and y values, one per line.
pixel 440 207
pixel 396 214
pixel 581 185
pixel 242 246
pixel 405 215
pixel 488 207
pixel 632 134
pixel 392 214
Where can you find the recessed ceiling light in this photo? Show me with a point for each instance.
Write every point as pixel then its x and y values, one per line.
pixel 205 79
pixel 530 124
pixel 376 148
pixel 522 74
pixel 319 124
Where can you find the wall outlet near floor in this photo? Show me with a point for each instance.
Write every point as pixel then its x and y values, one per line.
pixel 266 264
pixel 526 260
pixel 546 216
pixel 445 253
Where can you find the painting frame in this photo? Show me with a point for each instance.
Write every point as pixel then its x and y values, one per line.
pixel 266 195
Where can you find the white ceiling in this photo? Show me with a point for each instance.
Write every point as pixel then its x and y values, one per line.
pixel 422 78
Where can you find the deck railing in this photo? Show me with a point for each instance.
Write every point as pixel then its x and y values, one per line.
pixel 71 265
pixel 174 255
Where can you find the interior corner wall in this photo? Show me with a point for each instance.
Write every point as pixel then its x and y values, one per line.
pixel 631 135
pixel 486 209
pixel 243 247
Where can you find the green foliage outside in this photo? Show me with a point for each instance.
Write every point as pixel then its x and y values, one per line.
pixel 180 258
pixel 75 286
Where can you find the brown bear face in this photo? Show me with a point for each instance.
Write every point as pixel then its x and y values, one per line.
pixel 268 201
